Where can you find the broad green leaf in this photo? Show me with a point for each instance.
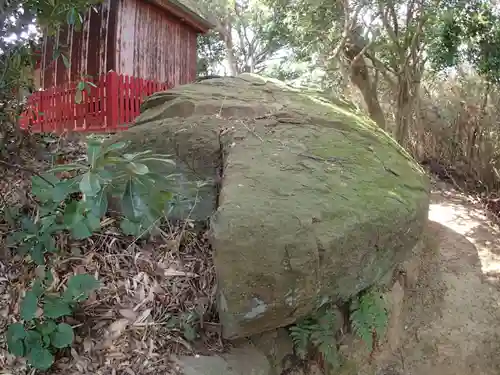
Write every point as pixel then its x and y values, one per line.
pixel 65 188
pixel 80 230
pixel 29 225
pixel 42 187
pixel 73 213
pixel 130 228
pixel 40 358
pixel 56 307
pixel 46 328
pixel 67 167
pixel 49 278
pixel 116 146
pixel 105 175
pixel 80 287
pixel 93 151
pixel 71 17
pixel 29 305
pixel 133 204
pixel 47 224
pixel 37 254
pixel 25 248
pixel 93 222
pixel 46 341
pixel 33 340
pixel 15 339
pixel 50 244
pixel 158 159
pixel 38 288
pixel 63 336
pixel 134 155
pixel 15 238
pixel 65 60
pixel 80 86
pixel 138 168
pixel 189 332
pixel 90 185
pixel 98 205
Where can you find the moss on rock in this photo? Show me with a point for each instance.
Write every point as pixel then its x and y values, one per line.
pixel 314 201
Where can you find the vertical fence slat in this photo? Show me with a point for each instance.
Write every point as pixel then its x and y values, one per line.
pixel 114 103
pixel 113 95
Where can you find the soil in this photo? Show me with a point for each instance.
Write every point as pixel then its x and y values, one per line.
pixel 452 326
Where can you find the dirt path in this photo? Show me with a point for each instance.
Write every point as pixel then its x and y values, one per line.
pixel 453 327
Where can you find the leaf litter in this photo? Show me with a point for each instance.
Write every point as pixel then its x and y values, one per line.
pixel 157 296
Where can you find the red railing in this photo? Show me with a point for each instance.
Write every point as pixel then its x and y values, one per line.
pixel 108 105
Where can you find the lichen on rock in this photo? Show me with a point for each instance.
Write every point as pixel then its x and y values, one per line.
pixel 307 200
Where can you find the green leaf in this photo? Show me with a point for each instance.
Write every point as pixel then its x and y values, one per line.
pixel 116 146
pixel 15 339
pixel 15 238
pixel 65 60
pixel 80 230
pixel 38 288
pixel 90 185
pixel 42 187
pixel 93 151
pixel 67 167
pixel 29 305
pixel 56 307
pixel 189 332
pixel 73 213
pixel 138 168
pixel 49 278
pixel 71 17
pixel 46 328
pixel 63 336
pixel 93 222
pixel 80 287
pixel 46 341
pixel 25 248
pixel 98 205
pixel 50 244
pixel 37 254
pixel 28 225
pixel 33 340
pixel 130 228
pixel 80 86
pixel 65 188
pixel 133 204
pixel 40 358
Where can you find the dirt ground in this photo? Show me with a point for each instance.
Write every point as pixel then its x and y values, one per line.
pixel 453 322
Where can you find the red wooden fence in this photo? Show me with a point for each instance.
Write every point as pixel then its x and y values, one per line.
pixel 108 105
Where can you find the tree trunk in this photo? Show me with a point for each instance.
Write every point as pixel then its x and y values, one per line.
pixel 368 88
pixel 231 59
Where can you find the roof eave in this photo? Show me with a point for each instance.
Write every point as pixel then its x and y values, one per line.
pixel 185 14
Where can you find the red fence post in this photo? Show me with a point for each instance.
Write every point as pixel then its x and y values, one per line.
pixel 112 99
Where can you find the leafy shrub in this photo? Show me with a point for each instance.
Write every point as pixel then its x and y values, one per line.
pixel 74 198
pixel 40 335
pixel 369 317
pixel 317 331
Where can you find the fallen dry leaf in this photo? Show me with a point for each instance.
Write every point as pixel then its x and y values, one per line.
pixel 130 314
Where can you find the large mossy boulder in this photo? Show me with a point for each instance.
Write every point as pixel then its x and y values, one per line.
pixel 308 202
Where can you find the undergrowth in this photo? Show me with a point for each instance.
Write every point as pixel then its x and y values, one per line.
pixel 318 332
pixel 73 199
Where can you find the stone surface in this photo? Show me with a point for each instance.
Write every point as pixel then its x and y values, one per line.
pixel 311 201
pixel 245 360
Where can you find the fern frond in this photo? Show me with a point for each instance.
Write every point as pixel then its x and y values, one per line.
pixel 369 314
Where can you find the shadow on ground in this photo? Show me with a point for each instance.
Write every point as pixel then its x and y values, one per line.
pixel 453 318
